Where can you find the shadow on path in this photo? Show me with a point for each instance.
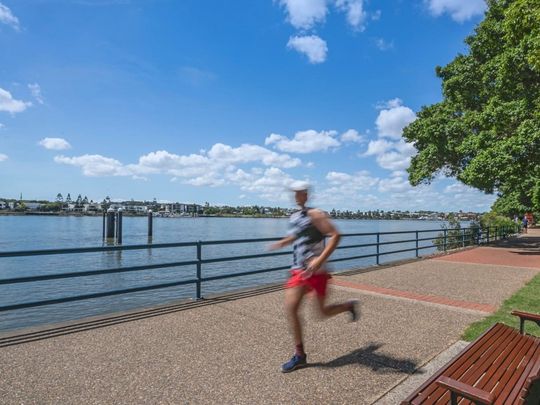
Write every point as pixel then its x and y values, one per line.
pixel 523 242
pixel 367 356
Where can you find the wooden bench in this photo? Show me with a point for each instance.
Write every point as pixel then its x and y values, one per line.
pixel 500 367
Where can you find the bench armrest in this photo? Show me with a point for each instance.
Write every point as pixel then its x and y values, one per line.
pixel 526 316
pixel 476 395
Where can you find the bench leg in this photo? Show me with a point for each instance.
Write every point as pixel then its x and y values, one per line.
pixel 453 398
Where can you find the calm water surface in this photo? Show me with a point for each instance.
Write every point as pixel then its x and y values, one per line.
pixel 45 232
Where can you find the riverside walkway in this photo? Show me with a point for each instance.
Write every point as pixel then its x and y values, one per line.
pixel 229 349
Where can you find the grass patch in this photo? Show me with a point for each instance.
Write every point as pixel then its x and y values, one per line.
pixel 527 299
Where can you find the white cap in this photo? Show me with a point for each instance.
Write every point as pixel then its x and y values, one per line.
pixel 300 186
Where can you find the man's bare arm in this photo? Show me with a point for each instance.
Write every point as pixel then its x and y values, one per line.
pixel 282 243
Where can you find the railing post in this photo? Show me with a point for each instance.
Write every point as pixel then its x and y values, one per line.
pixel 199 268
pixel 416 243
pixel 378 241
pixel 463 238
pixel 488 235
pixel 445 239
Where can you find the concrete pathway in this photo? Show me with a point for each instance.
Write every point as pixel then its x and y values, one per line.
pixel 228 349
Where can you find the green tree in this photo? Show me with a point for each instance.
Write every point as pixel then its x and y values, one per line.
pixel 454 236
pixel 486 131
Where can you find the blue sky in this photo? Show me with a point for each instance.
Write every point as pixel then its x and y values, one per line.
pixel 225 101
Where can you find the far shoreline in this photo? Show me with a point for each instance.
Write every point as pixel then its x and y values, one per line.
pixel 63 214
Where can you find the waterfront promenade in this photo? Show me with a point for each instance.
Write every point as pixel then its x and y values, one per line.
pixel 229 349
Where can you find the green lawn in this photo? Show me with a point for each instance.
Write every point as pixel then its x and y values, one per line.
pixel 527 299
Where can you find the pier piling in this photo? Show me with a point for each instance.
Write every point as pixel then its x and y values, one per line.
pixel 119 227
pixel 110 223
pixel 150 230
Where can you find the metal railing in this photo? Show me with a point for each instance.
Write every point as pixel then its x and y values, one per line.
pixel 445 240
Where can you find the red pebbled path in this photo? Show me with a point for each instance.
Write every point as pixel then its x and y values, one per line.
pixel 414 296
pixel 496 256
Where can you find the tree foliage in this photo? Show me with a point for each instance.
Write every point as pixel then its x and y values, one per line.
pixel 454 236
pixel 486 130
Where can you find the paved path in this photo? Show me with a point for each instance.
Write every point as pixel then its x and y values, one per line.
pixel 229 349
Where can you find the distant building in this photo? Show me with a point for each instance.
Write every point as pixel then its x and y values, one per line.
pixel 32 206
pixel 92 208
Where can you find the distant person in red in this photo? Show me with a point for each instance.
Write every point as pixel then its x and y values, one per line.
pixel 308 229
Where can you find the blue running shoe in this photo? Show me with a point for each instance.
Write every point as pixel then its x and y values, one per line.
pixel 295 363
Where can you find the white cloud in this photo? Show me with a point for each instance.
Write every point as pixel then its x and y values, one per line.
pixel 304 14
pixel 3 157
pixel 456 188
pixel 7 17
pixel 383 45
pixel 391 121
pixel 393 161
pixel 358 181
pixel 54 143
pixel 346 189
pixel 378 147
pixel 95 165
pixel 356 15
pixel 2 126
pixel 304 141
pixel 36 92
pixel 310 45
pixel 376 15
pixel 395 156
pixel 10 105
pixel 352 135
pixel 216 167
pixel 459 10
pixel 271 184
pixel 251 153
pixel 395 184
pixel 393 103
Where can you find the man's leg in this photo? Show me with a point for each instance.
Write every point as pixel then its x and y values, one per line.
pixel 320 284
pixel 334 309
pixel 293 300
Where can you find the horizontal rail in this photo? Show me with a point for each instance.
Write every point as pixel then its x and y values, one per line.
pixel 444 238
pixel 95 272
pixel 43 252
pixel 244 257
pixel 342 259
pixel 244 273
pixel 95 295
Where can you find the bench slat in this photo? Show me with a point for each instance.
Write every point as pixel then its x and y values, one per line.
pixel 420 397
pixel 491 378
pixel 509 380
pixel 501 361
pixel 499 356
pixel 523 384
pixel 484 347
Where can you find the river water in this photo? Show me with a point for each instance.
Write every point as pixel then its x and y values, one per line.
pixel 47 232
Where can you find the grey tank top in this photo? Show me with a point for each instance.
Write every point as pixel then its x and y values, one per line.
pixel 309 241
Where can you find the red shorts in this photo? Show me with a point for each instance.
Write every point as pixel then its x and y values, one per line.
pixel 317 282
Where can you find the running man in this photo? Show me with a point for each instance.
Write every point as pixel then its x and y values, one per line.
pixel 308 229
